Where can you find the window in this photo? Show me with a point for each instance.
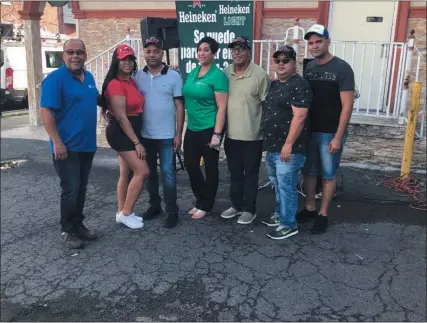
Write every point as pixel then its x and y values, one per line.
pixel 68 14
pixel 1 57
pixel 6 3
pixel 53 59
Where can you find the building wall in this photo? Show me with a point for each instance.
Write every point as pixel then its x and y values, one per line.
pixel 419 26
pixel 418 3
pixel 126 5
pixel 100 34
pixel 49 20
pixel 381 146
pixel 275 29
pixel 290 4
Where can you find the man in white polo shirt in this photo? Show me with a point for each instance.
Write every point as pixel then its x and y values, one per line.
pixel 163 121
pixel 248 86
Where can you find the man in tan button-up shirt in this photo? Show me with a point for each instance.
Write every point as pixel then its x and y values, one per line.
pixel 248 86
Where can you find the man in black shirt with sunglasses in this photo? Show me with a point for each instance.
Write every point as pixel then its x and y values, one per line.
pixel 285 129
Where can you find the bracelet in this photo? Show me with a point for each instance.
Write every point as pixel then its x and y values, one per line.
pixel 218 134
pixel 135 142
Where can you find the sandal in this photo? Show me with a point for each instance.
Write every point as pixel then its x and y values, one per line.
pixel 199 215
pixel 192 211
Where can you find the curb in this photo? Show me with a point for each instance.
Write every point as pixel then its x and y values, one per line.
pixel 15 113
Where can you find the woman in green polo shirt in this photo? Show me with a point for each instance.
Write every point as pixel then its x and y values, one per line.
pixel 206 93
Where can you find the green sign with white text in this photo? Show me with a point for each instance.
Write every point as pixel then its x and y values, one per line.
pixel 221 20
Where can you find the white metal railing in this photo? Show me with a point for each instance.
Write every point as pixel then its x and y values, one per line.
pixel 374 65
pixel 420 76
pixel 378 67
pixel 100 64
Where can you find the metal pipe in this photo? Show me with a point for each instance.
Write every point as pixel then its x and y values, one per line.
pixel 380 91
pixel 362 65
pixel 393 67
pixel 268 58
pixel 371 79
pixel 400 77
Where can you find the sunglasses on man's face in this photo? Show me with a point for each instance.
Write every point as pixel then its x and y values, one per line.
pixel 282 60
pixel 78 52
pixel 238 50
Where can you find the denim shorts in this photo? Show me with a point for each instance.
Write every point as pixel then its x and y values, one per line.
pixel 319 157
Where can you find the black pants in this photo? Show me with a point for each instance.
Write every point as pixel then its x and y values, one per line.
pixel 243 159
pixel 73 173
pixel 195 147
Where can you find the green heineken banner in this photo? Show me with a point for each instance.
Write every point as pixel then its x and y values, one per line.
pixel 221 20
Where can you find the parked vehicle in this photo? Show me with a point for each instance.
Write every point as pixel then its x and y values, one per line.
pixel 14 87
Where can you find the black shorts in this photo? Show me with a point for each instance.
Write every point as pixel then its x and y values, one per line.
pixel 117 138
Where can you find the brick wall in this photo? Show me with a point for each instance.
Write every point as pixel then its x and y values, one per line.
pixel 49 20
pixel 381 146
pixel 9 13
pixel 100 34
pixel 275 29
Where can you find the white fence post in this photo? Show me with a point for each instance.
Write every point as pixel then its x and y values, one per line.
pixel 129 37
pixel 296 36
pixel 407 76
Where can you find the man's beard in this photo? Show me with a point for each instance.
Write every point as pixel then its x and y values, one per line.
pixel 320 56
pixel 155 64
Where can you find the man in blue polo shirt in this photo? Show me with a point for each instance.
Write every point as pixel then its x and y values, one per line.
pixel 69 111
pixel 163 121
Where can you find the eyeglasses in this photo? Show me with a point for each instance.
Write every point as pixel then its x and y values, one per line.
pixel 77 52
pixel 283 60
pixel 237 49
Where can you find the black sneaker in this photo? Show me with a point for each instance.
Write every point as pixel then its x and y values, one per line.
pixel 171 221
pixel 85 234
pixel 320 224
pixel 305 215
pixel 71 240
pixel 273 221
pixel 152 212
pixel 282 233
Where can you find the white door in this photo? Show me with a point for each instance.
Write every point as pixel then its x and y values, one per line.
pixel 361 34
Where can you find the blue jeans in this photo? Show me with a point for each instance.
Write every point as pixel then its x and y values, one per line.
pixel 164 149
pixel 318 155
pixel 73 173
pixel 284 177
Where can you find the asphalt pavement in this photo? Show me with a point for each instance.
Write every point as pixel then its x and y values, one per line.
pixel 369 266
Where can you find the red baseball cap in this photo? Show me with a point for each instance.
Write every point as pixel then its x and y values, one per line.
pixel 124 51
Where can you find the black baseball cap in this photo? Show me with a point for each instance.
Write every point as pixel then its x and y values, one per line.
pixel 153 41
pixel 286 50
pixel 241 41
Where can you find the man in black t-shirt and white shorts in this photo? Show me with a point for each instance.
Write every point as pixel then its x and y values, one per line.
pixel 332 82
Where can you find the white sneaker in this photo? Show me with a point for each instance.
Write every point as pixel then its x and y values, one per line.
pixel 130 221
pixel 133 214
pixel 230 213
